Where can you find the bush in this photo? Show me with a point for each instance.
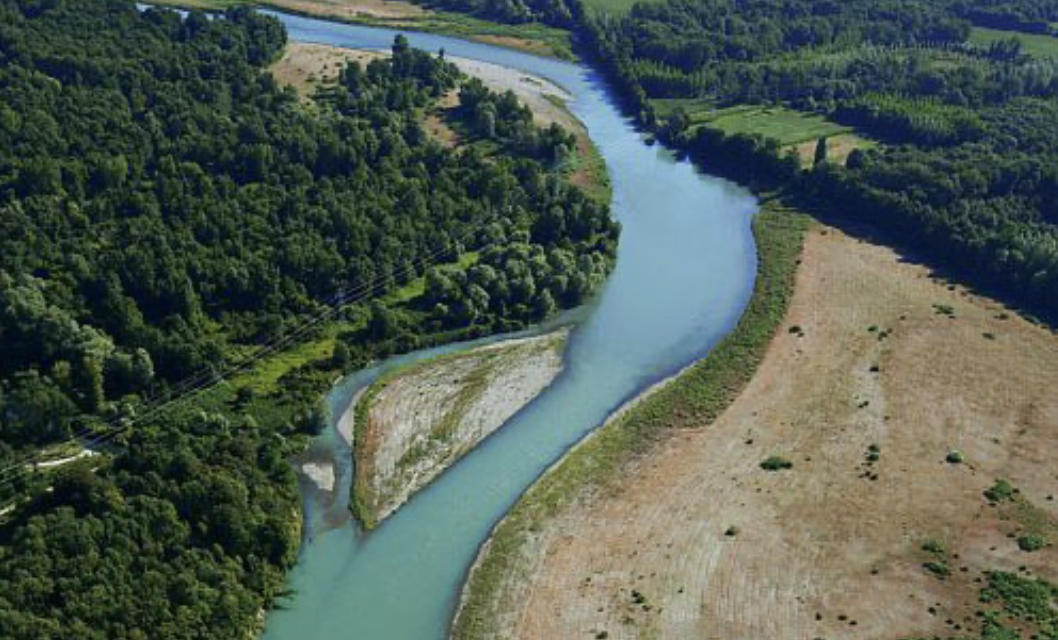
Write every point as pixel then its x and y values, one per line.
pixel 933 546
pixel 954 457
pixel 1031 542
pixel 776 463
pixel 1000 491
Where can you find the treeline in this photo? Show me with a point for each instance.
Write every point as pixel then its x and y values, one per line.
pixel 564 14
pixel 968 172
pixel 502 118
pixel 923 121
pixel 165 207
pixel 1030 16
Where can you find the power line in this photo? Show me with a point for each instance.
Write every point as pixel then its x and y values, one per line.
pixel 197 384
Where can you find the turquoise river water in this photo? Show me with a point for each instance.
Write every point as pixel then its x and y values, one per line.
pixel 684 273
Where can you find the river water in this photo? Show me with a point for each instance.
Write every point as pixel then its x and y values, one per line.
pixel 684 273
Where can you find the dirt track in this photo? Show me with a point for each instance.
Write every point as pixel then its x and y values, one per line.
pixel 832 547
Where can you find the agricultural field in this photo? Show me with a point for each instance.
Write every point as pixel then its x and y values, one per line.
pixel 1036 45
pixel 792 129
pixel 785 125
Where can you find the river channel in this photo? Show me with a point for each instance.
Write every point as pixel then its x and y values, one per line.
pixel 684 273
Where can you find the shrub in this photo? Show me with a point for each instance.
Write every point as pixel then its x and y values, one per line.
pixel 775 463
pixel 933 546
pixel 1031 542
pixel 954 457
pixel 1000 491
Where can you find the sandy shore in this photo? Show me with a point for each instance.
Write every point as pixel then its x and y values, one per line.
pixel 416 422
pixel 306 67
pixel 534 92
pixel 699 541
pixel 321 473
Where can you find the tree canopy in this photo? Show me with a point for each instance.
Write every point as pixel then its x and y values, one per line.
pixel 165 207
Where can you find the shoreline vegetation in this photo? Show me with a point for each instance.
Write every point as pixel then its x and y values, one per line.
pixel 695 396
pixel 415 422
pixel 535 38
pixel 310 68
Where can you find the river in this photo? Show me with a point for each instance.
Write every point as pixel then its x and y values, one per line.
pixel 684 273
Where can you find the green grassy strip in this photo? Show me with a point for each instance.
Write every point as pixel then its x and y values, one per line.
pixel 1036 45
pixel 697 397
pixel 614 8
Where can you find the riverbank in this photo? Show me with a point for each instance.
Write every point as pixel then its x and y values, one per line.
pixel 897 398
pixel 534 38
pixel 306 67
pixel 415 422
pixel 497 583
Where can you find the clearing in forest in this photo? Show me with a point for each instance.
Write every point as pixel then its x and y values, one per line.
pixel 1035 44
pixel 795 130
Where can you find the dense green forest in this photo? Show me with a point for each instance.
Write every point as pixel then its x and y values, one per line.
pixel 166 208
pixel 966 169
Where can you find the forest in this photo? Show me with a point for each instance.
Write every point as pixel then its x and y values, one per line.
pixel 167 208
pixel 966 169
pixel 966 173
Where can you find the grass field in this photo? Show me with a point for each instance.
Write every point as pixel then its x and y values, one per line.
pixel 786 126
pixel 613 7
pixel 1038 46
pixel 793 129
